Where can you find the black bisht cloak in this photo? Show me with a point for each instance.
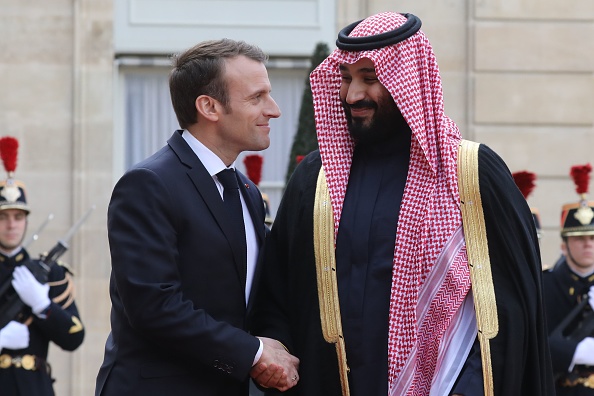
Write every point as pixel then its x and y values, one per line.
pixel 287 308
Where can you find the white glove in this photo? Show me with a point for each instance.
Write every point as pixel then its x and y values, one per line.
pixel 14 335
pixel 584 353
pixel 31 292
pixel 591 297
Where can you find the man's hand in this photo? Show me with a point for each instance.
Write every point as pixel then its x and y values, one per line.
pixel 276 368
pixel 31 292
pixel 14 335
pixel 591 297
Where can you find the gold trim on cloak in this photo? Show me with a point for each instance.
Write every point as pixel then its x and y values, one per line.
pixel 477 249
pixel 326 277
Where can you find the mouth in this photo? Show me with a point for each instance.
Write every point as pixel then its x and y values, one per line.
pixel 361 112
pixel 362 108
pixel 265 127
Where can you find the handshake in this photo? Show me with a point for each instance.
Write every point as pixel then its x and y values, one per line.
pixel 276 367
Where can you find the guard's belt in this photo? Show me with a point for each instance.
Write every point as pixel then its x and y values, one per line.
pixel 25 362
pixel 580 376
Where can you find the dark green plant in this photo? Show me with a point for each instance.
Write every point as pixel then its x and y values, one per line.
pixel 305 140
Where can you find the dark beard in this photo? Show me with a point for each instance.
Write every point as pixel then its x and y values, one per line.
pixel 386 122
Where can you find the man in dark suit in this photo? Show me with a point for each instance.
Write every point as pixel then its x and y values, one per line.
pixel 182 273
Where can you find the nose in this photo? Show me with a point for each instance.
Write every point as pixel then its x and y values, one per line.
pixel 272 110
pixel 355 92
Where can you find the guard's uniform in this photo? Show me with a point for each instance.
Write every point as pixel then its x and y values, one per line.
pixel 564 290
pixel 26 372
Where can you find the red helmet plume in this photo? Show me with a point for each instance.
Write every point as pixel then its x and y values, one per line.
pixel 581 177
pixel 8 152
pixel 525 182
pixel 577 219
pixel 253 166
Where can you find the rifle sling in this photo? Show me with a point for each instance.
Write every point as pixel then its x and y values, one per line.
pixel 326 277
pixel 475 235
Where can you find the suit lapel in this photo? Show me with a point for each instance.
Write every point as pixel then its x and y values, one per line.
pixel 207 189
pixel 253 199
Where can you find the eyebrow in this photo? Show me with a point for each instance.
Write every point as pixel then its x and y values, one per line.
pixel 259 91
pixel 361 70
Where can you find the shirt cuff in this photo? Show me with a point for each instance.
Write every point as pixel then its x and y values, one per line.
pixel 259 353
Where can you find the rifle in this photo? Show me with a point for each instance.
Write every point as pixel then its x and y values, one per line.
pixel 35 235
pixel 11 306
pixel 584 328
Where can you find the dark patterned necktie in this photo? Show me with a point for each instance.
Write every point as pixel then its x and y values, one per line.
pixel 232 202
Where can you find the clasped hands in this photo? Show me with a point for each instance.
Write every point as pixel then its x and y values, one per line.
pixel 276 368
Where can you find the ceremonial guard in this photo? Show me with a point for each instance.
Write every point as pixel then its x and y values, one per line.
pixel 569 295
pixel 40 293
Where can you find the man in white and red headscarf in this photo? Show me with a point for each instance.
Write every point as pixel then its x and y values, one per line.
pixel 389 155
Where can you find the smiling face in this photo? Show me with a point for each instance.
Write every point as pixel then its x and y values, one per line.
pixel 579 251
pixel 372 115
pixel 13 223
pixel 243 125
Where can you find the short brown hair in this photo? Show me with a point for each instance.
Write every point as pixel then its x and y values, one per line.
pixel 199 71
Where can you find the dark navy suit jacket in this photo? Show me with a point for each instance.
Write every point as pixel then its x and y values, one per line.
pixel 177 288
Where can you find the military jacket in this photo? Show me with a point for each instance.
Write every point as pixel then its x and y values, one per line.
pixel 60 324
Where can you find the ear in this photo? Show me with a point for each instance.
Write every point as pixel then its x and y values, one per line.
pixel 564 248
pixel 207 107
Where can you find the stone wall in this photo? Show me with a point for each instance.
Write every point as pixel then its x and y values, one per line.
pixel 55 72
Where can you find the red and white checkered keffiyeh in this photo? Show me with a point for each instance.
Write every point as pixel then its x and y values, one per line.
pixel 429 213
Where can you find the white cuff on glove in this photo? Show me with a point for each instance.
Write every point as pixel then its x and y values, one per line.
pixel 584 353
pixel 31 292
pixel 14 335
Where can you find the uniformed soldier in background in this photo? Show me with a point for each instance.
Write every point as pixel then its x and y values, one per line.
pixel 569 295
pixel 48 310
